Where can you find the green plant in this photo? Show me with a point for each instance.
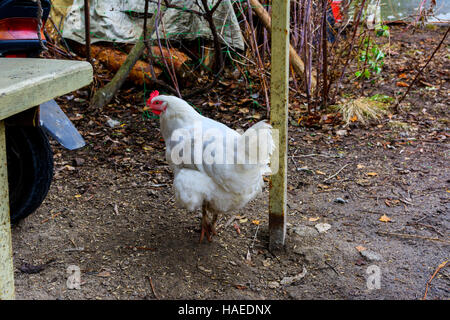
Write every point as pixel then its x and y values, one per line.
pixel 382 31
pixel 371 57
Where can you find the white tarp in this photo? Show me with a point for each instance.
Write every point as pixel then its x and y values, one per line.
pixel 114 21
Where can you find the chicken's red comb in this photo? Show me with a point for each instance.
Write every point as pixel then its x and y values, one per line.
pixel 154 93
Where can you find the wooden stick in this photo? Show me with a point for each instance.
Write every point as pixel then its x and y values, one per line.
pixel 278 118
pixel 6 257
pixel 294 59
pixel 334 175
pixel 442 265
pixel 87 30
pixel 105 94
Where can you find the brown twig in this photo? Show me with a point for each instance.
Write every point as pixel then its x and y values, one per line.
pixel 442 265
pixel 153 288
pixel 87 33
pixel 423 68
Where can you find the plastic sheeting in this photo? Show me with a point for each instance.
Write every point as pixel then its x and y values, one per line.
pixel 122 21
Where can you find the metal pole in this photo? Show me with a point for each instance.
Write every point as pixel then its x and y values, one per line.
pixel 6 260
pixel 278 117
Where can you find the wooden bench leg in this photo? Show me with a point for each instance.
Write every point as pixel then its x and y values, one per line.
pixel 6 260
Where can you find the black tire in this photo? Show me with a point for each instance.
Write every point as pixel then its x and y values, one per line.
pixel 30 169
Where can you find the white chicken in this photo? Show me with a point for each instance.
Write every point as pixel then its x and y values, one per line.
pixel 215 168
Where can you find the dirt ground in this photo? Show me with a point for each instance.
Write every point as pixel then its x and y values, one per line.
pixel 110 210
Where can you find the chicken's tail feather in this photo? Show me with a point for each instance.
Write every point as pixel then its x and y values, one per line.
pixel 258 146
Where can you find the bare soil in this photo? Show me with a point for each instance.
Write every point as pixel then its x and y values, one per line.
pixel 110 210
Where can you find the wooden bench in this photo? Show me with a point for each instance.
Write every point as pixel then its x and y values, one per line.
pixel 25 83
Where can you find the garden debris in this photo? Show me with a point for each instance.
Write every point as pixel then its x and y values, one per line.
pixel 364 109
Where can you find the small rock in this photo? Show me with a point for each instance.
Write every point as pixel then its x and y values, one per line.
pixel 112 123
pixel 273 284
pixel 305 231
pixel 340 200
pixel 370 255
pixel 311 255
pixel 78 162
pixel 341 132
pixel 204 269
pixel 322 227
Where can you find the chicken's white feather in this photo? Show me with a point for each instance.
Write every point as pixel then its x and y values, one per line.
pixel 224 186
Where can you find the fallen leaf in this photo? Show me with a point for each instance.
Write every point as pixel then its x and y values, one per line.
pixel 384 218
pixel 360 166
pixel 403 76
pixel 320 172
pixel 402 84
pixel 360 248
pixel 78 196
pixel 354 118
pixel 372 174
pixel 313 219
pixel 255 222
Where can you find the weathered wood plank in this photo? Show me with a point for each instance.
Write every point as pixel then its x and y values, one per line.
pixel 26 82
pixel 6 260
pixel 278 118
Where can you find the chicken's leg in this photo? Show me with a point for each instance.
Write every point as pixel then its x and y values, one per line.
pixel 208 228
